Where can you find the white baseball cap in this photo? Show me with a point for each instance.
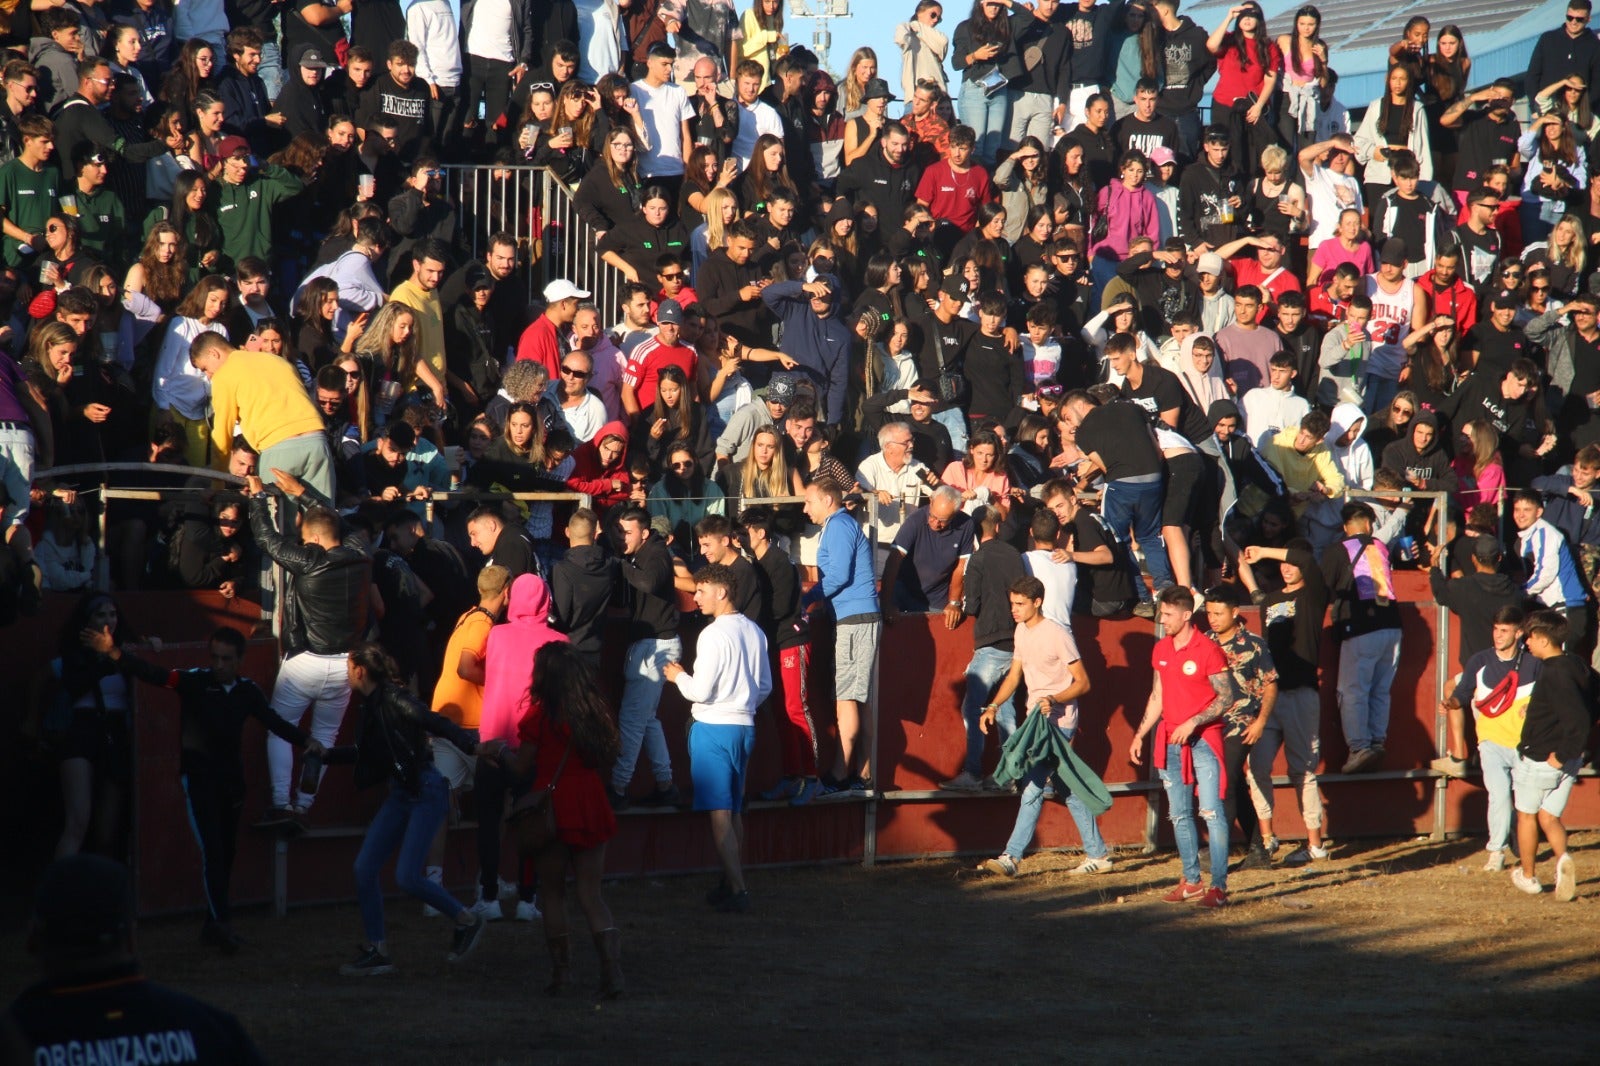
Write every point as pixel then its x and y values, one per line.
pixel 562 289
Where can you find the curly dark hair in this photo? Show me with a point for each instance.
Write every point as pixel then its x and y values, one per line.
pixel 568 689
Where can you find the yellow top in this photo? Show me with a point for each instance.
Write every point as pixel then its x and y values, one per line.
pixel 430 323
pixel 1301 472
pixel 263 394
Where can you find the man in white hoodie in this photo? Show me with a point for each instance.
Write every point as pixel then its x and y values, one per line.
pixel 732 677
pixel 1349 451
pixel 431 26
pixel 1274 404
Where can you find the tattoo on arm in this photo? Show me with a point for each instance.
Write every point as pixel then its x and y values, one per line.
pixel 1222 685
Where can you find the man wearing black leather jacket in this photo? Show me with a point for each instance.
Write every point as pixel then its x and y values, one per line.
pixel 329 580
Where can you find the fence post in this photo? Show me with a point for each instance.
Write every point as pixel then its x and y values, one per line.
pixel 869 842
pixel 1441 678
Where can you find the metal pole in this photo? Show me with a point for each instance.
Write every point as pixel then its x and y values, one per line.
pixel 869 842
pixel 1441 677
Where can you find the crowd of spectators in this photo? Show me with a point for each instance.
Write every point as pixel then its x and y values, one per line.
pixel 1069 324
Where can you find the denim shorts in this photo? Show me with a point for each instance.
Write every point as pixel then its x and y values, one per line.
pixel 1538 786
pixel 718 756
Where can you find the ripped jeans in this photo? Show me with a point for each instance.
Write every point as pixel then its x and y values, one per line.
pixel 1180 809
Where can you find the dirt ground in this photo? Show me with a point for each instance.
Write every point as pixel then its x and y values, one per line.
pixel 1396 951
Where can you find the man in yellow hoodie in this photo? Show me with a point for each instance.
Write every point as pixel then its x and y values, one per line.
pixel 261 393
pixel 1309 473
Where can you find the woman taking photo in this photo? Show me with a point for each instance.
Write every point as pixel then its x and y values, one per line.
pixel 980 48
pixel 387 348
pixel 978 476
pixel 1556 169
pixel 567 740
pixel 161 270
pixel 609 193
pixel 1248 66
pixel 702 175
pixel 393 747
pixel 563 144
pixel 314 311
pixel 1395 121
pixel 171 127
pixel 182 394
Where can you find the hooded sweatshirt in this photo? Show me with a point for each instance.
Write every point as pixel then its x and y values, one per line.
pixel 1355 462
pixel 58 72
pixel 1433 468
pixel 591 475
pixel 580 585
pixel 508 658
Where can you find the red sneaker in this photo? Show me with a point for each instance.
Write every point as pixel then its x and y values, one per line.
pixel 1214 897
pixel 1184 893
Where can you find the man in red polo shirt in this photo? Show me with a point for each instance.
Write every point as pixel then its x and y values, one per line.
pixel 953 187
pixel 542 340
pixel 1188 695
pixel 639 379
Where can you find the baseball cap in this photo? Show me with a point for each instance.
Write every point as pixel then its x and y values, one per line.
pixel 1161 155
pixel 310 57
pixel 878 89
pixel 780 390
pixel 670 312
pixel 661 526
pixel 562 289
pixel 1210 263
pixel 1393 252
pixel 1503 300
pixel 955 287
pixel 229 147
pixel 478 278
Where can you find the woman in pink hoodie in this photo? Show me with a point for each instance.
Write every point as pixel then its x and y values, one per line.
pixel 507 680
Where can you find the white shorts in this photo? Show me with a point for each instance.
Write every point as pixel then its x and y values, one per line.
pixel 456 766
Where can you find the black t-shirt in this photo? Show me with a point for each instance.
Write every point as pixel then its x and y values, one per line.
pixel 297 31
pixel 1484 144
pixel 1292 623
pixel 1146 137
pixel 995 375
pixel 1585 367
pixel 1410 225
pixel 1496 350
pixel 1480 254
pixel 1112 583
pixel 1120 433
pixel 1160 390
pixel 783 619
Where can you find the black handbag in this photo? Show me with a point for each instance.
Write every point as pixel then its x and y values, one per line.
pixel 533 815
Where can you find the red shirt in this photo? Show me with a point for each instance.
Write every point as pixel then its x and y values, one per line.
pixel 541 341
pixel 1249 272
pixel 1240 74
pixel 1457 301
pixel 686 298
pixel 1186 675
pixel 955 197
pixel 1322 308
pixel 645 367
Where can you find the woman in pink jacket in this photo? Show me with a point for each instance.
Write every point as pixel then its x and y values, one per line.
pixel 507 680
pixel 1125 209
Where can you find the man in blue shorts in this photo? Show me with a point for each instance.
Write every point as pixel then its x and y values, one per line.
pixel 732 678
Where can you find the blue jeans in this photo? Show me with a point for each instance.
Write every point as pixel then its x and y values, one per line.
pixel 409 823
pixel 642 682
pixel 271 69
pixel 1498 761
pixel 987 115
pixel 1180 809
pixel 1368 663
pixel 1094 845
pixel 956 422
pixel 984 673
pixel 1136 507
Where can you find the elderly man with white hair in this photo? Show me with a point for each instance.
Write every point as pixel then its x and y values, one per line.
pixel 898 482
pixel 927 564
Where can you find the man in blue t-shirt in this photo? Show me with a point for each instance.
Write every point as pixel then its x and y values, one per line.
pixel 927 567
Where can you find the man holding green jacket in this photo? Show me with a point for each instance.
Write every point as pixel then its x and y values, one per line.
pixel 246 198
pixel 1044 657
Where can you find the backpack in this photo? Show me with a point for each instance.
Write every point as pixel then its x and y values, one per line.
pixel 1369 562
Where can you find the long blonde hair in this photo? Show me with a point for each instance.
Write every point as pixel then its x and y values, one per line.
pixel 714 201
pixel 375 346
pixel 1576 253
pixel 852 87
pixel 776 480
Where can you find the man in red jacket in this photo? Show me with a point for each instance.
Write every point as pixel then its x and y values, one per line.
pixel 1191 690
pixel 1447 293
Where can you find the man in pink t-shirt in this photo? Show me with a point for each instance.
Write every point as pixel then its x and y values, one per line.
pixel 1191 690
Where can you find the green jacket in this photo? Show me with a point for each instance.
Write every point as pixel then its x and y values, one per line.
pixel 244 212
pixel 103 227
pixel 1038 742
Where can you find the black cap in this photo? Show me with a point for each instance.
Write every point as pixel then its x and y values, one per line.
pixel 955 287
pixel 1503 300
pixel 84 903
pixel 878 89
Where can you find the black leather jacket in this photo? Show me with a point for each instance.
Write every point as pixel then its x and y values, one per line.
pixel 325 604
pixel 393 741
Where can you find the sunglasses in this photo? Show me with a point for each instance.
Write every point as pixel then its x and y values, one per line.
pixel 571 373
pixel 674 276
pixel 1578 20
pixel 683 466
pixel 1397 409
pixel 1051 392
pixel 1538 288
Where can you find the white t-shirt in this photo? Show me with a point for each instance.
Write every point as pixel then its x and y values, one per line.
pixel 490 36
pixel 1330 193
pixel 1060 581
pixel 753 122
pixel 665 110
pixel 602 46
pixel 731 673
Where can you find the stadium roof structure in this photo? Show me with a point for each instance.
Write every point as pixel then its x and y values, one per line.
pixel 1500 35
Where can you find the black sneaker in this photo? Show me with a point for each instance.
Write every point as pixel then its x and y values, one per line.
pixel 1257 858
pixel 720 894
pixel 663 797
pixel 860 786
pixel 370 963
pixel 619 800
pixel 219 935
pixel 281 820
pixel 465 938
pixel 736 903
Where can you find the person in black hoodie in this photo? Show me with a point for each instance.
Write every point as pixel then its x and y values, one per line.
pixel 635 243
pixel 885 179
pixel 303 99
pixel 652 600
pixel 1475 598
pixel 581 584
pixel 1561 712
pixel 1163 282
pixel 1211 194
pixel 1188 66
pixel 401 98
pixel 1421 459
pixel 470 351
pixel 991 571
pixel 1302 339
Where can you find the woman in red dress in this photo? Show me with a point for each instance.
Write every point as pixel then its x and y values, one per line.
pixel 568 737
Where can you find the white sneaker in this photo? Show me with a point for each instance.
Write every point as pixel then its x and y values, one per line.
pixel 1495 863
pixel 1566 879
pixel 1304 855
pixel 528 911
pixel 428 909
pixel 507 888
pixel 1093 866
pixel 489 910
pixel 1527 884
